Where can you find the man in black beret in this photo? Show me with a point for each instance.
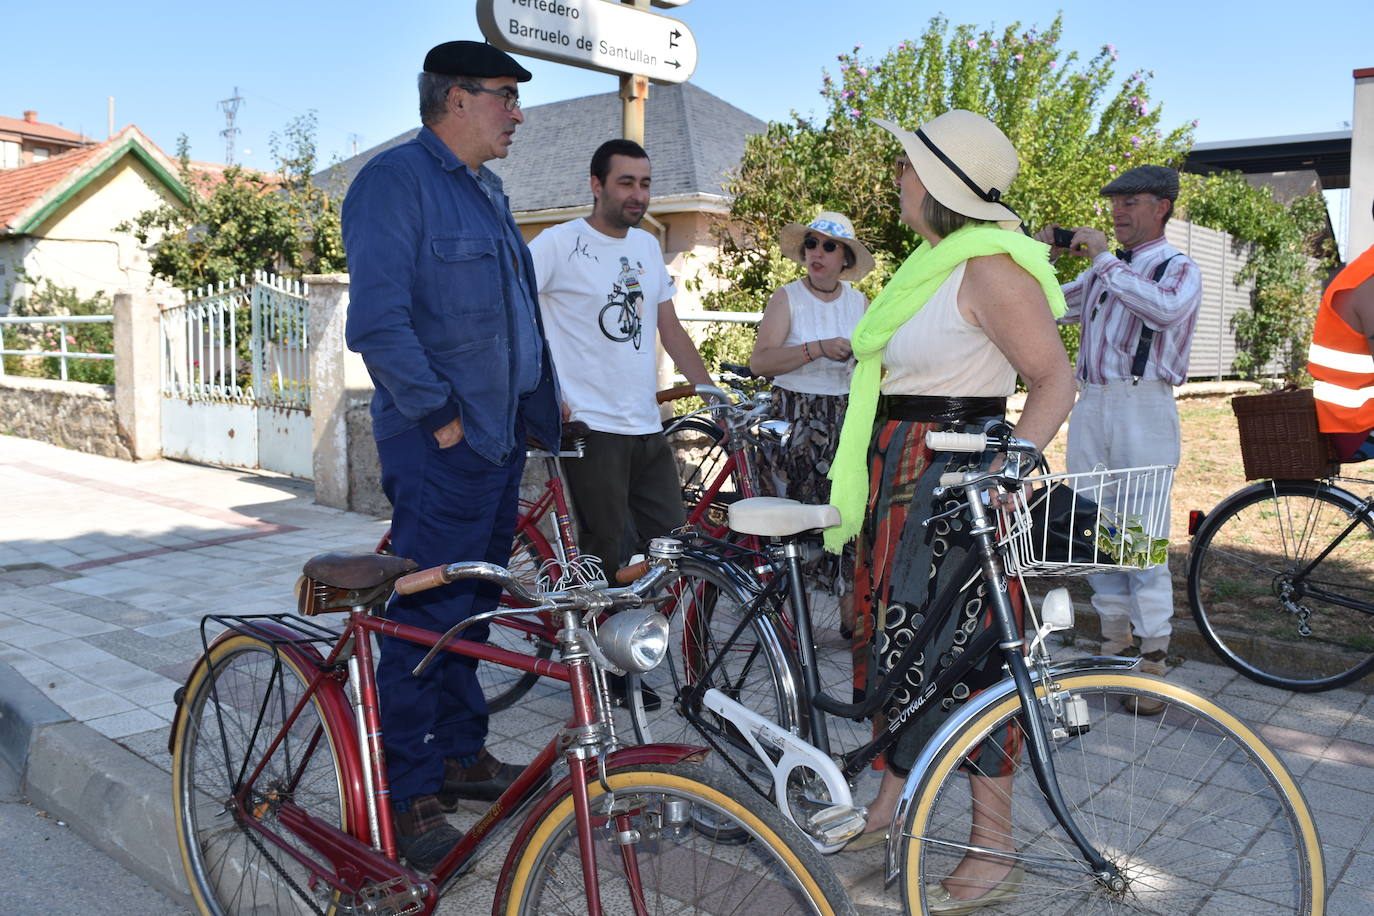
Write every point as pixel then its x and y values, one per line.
pixel 1138 307
pixel 443 310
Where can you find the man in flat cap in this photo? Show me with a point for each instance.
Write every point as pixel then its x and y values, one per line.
pixel 1138 307
pixel 443 310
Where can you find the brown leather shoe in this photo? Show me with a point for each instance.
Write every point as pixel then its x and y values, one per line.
pixel 423 835
pixel 485 780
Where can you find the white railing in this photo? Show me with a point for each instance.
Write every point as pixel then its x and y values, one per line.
pixel 61 353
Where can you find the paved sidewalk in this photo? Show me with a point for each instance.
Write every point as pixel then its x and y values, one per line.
pixel 107 566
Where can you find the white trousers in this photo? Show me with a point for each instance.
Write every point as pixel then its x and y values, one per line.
pixel 1121 425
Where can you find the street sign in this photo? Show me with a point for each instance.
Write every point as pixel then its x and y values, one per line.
pixel 596 34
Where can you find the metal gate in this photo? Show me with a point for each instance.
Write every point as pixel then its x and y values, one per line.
pixel 236 376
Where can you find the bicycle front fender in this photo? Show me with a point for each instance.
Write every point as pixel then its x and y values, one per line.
pixel 971 709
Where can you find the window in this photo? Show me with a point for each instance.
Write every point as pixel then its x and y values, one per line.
pixel 9 154
pixel 40 153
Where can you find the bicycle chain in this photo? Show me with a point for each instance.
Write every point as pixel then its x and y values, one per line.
pixel 290 882
pixel 1304 615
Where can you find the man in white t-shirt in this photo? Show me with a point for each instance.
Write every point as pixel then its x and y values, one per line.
pixel 603 292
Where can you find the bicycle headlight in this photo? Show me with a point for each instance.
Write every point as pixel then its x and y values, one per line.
pixel 635 641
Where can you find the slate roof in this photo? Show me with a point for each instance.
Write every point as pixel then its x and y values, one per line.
pixel 693 137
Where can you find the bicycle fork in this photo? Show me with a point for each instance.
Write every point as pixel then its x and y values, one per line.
pixel 1013 644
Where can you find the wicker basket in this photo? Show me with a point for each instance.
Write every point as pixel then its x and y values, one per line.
pixel 1279 437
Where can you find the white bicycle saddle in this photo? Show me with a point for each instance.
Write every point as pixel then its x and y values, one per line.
pixel 772 516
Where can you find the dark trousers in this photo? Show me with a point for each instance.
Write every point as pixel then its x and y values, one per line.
pixel 447 505
pixel 620 483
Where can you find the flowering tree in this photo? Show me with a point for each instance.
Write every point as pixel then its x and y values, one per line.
pixel 1073 124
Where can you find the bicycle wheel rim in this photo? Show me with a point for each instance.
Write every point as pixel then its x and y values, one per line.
pixel 1244 559
pixel 766 867
pixel 231 868
pixel 1196 813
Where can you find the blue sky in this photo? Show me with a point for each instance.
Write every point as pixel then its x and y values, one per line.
pixel 1252 70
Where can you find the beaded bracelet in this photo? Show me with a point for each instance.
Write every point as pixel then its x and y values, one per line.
pixel 806 351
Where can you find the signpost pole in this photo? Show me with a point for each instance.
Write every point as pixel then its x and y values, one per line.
pixel 634 90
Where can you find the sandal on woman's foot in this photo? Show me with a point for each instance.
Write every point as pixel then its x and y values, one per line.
pixel 866 841
pixel 940 902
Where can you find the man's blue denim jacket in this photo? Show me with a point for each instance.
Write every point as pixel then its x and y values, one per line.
pixel 427 310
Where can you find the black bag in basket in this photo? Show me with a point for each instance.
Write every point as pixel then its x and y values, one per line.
pixel 1064 527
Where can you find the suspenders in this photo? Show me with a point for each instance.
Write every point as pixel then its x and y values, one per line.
pixel 1147 334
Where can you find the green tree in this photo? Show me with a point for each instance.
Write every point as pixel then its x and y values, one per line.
pixel 1288 262
pixel 245 220
pixel 1073 124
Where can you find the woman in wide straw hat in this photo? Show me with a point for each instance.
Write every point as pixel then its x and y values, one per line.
pixel 803 343
pixel 941 347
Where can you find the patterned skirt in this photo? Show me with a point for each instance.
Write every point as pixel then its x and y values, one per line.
pixel 798 472
pixel 902 566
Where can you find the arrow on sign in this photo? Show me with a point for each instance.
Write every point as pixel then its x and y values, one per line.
pixel 675 64
pixel 674 35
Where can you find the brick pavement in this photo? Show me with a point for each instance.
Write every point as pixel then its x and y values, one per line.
pixel 107 566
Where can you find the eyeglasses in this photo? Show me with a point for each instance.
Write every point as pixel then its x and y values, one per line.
pixel 510 95
pixel 828 246
pixel 899 167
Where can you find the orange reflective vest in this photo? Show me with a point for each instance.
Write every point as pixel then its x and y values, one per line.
pixel 1339 359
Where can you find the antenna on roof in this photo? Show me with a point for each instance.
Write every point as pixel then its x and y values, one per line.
pixel 230 107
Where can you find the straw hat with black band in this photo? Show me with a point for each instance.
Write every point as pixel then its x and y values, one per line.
pixel 964 162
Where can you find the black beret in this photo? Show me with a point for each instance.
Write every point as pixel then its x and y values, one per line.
pixel 1159 180
pixel 473 58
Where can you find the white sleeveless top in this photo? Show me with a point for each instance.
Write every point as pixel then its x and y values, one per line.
pixel 938 353
pixel 811 319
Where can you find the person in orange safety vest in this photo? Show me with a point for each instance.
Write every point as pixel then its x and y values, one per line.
pixel 1340 359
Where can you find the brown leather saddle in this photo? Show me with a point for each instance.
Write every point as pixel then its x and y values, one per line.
pixel 343 581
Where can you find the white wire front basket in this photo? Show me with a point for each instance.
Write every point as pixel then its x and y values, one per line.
pixel 1096 521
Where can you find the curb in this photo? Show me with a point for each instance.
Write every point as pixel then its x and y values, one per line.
pixel 115 800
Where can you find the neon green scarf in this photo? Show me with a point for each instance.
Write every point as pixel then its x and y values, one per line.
pixel 910 287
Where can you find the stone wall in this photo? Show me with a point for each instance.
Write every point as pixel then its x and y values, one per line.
pixel 74 415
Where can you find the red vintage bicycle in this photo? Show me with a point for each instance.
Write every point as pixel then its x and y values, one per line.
pixel 280 786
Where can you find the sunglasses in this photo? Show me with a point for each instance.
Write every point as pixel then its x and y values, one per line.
pixel 828 246
pixel 899 167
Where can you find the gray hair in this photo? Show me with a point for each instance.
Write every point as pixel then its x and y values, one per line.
pixel 434 89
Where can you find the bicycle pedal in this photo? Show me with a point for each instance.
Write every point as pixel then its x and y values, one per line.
pixel 836 823
pixel 393 897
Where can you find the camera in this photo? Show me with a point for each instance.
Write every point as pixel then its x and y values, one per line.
pixel 1063 238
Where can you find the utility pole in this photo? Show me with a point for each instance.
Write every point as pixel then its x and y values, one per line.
pixel 230 107
pixel 634 90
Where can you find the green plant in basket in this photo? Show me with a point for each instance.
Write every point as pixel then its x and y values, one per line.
pixel 1123 538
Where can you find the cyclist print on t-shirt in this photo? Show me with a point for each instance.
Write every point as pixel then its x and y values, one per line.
pixel 620 318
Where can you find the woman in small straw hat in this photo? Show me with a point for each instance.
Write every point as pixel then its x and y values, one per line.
pixel 941 347
pixel 803 343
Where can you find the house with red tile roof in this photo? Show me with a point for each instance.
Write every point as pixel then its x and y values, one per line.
pixel 58 216
pixel 26 140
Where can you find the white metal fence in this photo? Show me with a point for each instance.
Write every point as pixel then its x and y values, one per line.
pixel 61 322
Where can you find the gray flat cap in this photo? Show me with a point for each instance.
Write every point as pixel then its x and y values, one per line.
pixel 1159 180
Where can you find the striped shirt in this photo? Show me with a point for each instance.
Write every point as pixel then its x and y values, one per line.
pixel 1112 299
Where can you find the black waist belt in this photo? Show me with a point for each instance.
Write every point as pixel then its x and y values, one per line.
pixel 938 410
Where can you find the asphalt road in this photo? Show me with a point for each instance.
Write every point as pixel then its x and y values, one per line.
pixel 48 870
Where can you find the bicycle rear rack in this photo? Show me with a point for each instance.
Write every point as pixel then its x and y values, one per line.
pixel 301 631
